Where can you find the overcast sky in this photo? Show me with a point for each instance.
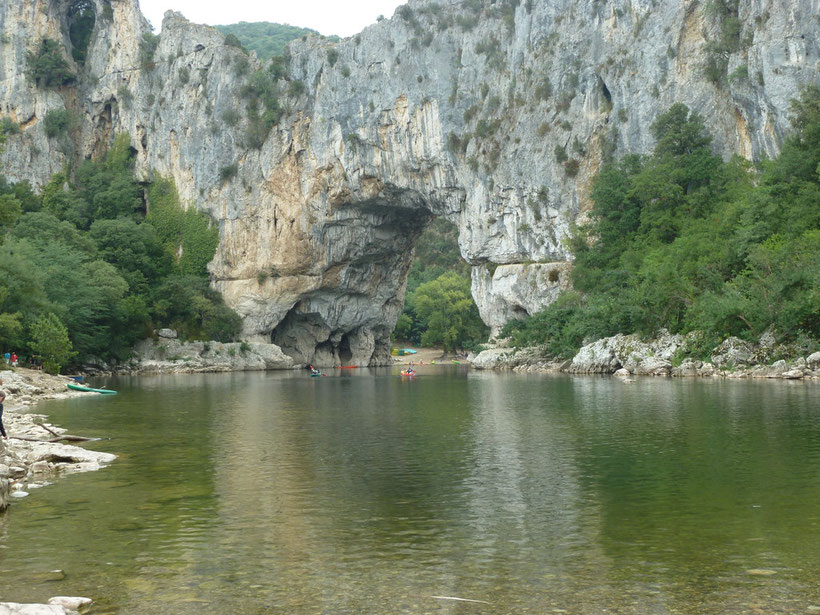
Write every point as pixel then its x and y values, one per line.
pixel 344 18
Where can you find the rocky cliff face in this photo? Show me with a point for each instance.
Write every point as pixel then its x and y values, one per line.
pixel 494 115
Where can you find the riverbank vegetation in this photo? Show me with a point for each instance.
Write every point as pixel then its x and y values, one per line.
pixel 439 309
pixel 86 270
pixel 681 240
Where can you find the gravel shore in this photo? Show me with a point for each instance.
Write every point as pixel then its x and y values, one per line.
pixel 33 457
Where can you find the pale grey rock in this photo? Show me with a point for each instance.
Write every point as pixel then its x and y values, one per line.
pixel 40 467
pixel 16 472
pixel 167 334
pixel 601 356
pixel 767 341
pixel 761 371
pixel 500 356
pixel 622 373
pixel 813 360
pixel 70 602
pixel 318 224
pixel 175 356
pixel 492 358
pixel 653 366
pixel 687 368
pixel 648 358
pixel 517 291
pixel 692 367
pixel 733 352
pixel 4 493
pixel 64 456
pixel 792 374
pixel 16 608
pixel 27 464
pixel 779 366
pixel 707 369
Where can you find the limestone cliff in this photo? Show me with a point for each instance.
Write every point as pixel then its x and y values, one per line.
pixel 457 109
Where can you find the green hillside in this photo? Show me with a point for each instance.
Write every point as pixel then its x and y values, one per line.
pixel 265 38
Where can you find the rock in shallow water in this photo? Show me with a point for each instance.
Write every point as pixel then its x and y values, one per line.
pixel 16 608
pixel 70 602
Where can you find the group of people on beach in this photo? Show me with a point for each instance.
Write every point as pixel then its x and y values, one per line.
pixel 33 362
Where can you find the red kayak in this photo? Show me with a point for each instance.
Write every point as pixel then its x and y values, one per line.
pixel 347 366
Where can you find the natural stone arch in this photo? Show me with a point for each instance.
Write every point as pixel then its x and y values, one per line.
pixel 348 317
pixel 385 127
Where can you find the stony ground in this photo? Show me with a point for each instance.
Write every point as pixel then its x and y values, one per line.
pixel 26 464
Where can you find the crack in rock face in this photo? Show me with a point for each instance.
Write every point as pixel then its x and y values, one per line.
pixel 496 116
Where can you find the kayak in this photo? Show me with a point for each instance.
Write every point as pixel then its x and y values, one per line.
pixel 400 352
pixel 347 366
pixel 79 387
pixel 406 375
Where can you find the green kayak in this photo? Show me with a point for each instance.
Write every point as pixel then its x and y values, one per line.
pixel 79 387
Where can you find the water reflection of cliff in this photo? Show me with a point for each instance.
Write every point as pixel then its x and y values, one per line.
pixel 532 494
pixel 362 493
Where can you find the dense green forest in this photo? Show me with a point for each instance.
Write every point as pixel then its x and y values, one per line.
pixel 265 38
pixel 681 240
pixel 97 261
pixel 439 309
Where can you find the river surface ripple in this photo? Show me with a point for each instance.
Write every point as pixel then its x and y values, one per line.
pixel 365 493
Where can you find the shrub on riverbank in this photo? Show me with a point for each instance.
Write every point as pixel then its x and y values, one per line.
pixel 439 309
pixel 84 256
pixel 682 240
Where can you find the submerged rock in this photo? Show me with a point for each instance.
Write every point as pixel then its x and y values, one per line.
pixel 70 602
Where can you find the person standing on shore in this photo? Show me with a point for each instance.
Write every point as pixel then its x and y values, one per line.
pixel 2 399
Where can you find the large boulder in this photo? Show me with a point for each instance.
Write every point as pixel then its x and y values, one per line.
pixel 733 352
pixel 650 358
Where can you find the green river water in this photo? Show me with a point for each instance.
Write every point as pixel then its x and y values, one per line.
pixel 365 493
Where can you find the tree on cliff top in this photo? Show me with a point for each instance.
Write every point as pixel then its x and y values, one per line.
pixel 265 38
